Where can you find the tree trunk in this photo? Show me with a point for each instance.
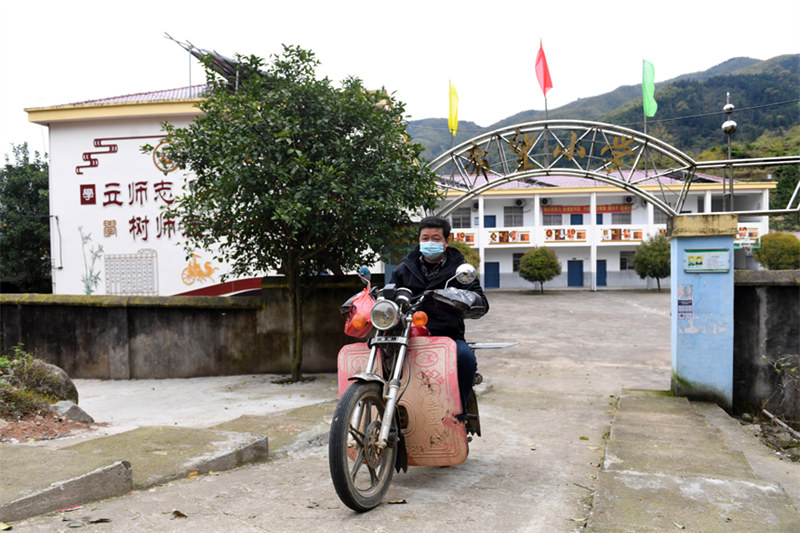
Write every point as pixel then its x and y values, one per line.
pixel 541 287
pixel 296 298
pixel 658 284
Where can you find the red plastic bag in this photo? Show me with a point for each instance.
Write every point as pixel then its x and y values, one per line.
pixel 358 323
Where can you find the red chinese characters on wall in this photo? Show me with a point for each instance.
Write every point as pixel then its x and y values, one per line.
pixel 137 193
pixel 88 195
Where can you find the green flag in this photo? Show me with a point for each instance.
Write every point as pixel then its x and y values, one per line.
pixel 649 89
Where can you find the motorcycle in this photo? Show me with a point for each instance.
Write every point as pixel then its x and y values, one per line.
pixel 399 398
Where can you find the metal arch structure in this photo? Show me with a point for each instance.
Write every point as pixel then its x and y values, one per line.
pixel 526 154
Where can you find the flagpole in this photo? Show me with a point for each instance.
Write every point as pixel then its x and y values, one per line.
pixel 543 76
pixel 546 140
pixel 453 164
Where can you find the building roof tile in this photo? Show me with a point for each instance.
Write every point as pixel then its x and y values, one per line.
pixel 180 93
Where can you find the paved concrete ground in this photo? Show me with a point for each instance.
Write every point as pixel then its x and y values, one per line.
pixel 570 442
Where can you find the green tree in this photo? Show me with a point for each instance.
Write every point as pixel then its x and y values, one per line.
pixel 787 178
pixel 470 254
pixel 295 175
pixel 539 264
pixel 652 259
pixel 24 223
pixel 778 251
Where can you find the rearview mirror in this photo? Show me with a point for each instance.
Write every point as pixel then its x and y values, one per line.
pixel 465 274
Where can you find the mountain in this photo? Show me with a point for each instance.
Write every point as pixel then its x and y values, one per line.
pixel 689 108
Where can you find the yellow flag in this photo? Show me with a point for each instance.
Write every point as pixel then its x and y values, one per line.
pixel 452 120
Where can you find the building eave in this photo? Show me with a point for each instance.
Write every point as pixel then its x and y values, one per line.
pixel 94 111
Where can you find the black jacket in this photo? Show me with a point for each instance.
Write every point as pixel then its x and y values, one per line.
pixel 441 322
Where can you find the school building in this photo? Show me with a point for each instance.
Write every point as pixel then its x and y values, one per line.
pixel 594 229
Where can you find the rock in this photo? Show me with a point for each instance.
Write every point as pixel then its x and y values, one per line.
pixel 48 380
pixel 69 410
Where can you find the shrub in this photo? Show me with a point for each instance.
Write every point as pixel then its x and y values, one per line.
pixel 539 264
pixel 652 258
pixel 470 254
pixel 778 251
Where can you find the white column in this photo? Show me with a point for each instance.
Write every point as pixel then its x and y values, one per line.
pixel 479 236
pixel 593 238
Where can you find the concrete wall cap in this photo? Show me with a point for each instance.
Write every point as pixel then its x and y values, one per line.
pixel 706 225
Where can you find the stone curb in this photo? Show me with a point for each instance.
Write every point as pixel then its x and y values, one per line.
pixel 257 450
pixel 117 479
pixel 105 482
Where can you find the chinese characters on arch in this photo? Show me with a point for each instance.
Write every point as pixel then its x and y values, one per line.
pixel 613 153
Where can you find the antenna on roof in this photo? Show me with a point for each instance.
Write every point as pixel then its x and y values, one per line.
pixel 171 38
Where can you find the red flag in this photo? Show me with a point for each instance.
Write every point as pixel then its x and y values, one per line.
pixel 542 72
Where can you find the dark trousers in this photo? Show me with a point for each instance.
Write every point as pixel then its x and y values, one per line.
pixel 467 366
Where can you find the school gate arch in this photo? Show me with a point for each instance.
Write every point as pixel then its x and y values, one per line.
pixel 701 300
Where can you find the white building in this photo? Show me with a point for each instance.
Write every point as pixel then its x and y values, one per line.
pixel 594 229
pixel 108 235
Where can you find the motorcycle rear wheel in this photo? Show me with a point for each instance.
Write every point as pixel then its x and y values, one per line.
pixel 361 472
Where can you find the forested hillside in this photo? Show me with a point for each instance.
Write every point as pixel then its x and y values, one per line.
pixel 689 110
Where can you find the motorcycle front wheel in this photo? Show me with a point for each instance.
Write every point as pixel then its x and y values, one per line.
pixel 360 470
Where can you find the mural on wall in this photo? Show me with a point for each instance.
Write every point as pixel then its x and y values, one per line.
pixel 90 278
pixel 140 192
pixel 121 193
pixel 194 272
pixel 132 274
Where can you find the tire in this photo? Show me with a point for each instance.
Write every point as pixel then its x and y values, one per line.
pixel 361 473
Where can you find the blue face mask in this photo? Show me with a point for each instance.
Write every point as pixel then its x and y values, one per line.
pixel 431 250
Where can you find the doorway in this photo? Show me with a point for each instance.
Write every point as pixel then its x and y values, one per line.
pixel 575 273
pixel 491 275
pixel 601 272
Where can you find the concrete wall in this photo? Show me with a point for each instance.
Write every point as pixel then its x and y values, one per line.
pixel 116 337
pixel 766 328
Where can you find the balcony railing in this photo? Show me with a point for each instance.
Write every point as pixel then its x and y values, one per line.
pixel 600 235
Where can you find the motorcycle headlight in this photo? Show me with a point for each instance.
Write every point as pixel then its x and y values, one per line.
pixel 385 314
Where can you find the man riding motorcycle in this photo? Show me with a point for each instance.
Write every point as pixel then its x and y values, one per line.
pixel 427 267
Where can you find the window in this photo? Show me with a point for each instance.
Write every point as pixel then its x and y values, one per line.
pixel 461 217
pixel 551 220
pixel 626 260
pixel 512 216
pixel 599 219
pixel 516 258
pixel 620 218
pixel 659 216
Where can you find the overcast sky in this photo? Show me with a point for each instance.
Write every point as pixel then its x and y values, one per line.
pixel 58 52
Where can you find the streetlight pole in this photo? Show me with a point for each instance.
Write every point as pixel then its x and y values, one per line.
pixel 728 127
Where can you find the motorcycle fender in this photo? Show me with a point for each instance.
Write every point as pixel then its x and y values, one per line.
pixel 367 376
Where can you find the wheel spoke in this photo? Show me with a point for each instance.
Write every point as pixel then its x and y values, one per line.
pixel 357 436
pixel 373 476
pixel 357 463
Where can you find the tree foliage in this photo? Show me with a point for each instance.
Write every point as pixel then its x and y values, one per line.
pixel 25 223
pixel 539 264
pixel 470 254
pixel 778 251
pixel 787 177
pixel 296 175
pixel 652 258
